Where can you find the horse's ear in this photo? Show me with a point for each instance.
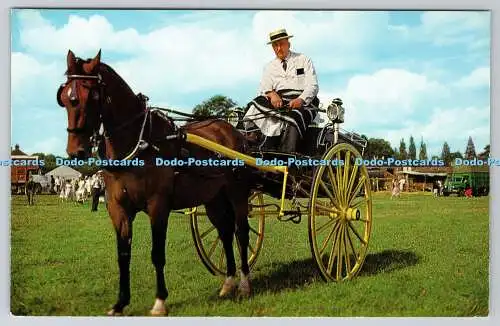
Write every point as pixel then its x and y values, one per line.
pixel 70 59
pixel 89 67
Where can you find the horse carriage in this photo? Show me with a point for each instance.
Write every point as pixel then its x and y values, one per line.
pixel 327 172
pixel 332 188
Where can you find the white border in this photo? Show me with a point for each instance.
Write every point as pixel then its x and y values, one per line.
pixel 5 5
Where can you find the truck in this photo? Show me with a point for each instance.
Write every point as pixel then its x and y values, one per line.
pixel 19 174
pixel 462 177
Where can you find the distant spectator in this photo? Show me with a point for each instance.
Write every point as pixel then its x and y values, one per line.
pixel 96 191
pixel 395 189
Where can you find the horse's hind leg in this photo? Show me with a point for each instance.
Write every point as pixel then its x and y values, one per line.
pixel 221 215
pixel 240 206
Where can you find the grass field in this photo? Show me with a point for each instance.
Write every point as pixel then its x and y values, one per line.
pixel 427 257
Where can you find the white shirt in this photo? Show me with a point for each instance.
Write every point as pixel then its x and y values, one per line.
pixel 300 74
pixel 96 183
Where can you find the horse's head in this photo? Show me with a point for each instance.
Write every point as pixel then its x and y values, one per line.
pixel 81 95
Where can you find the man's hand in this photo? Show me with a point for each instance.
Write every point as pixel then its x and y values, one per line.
pixel 296 103
pixel 275 99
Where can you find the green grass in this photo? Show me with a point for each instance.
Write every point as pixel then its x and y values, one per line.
pixel 427 257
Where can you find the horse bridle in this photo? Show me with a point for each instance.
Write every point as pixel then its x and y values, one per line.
pixel 73 95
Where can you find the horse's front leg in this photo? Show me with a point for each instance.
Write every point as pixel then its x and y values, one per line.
pixel 122 222
pixel 159 225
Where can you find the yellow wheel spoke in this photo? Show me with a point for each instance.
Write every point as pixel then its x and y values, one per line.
pixel 361 182
pixel 221 259
pixel 358 203
pixel 351 244
pixel 324 226
pixel 332 254
pixel 204 234
pixel 346 252
pixel 214 245
pixel 251 248
pixel 327 209
pixel 335 186
pixel 327 191
pixel 339 252
pixel 325 243
pixel 254 231
pixel 340 185
pixel 345 180
pixel 356 233
pixel 351 180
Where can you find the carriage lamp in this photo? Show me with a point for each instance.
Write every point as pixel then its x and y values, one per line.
pixel 335 111
pixel 233 118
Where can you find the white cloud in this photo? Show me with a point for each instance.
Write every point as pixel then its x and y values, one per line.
pixel 82 35
pixel 459 21
pixel 444 28
pixel 479 77
pixel 25 67
pixel 387 96
pixel 453 125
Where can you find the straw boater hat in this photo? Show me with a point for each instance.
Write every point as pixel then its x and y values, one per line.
pixel 278 35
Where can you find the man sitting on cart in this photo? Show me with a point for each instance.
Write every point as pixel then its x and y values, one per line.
pixel 287 101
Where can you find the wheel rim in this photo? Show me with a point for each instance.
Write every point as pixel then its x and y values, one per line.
pixel 209 246
pixel 340 215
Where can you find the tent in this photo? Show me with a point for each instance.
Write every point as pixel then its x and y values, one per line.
pixel 65 172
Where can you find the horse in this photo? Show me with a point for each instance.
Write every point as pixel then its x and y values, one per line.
pixel 104 112
pixel 29 190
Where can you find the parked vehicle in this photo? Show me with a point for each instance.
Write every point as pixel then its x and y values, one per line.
pixel 462 177
pixel 19 174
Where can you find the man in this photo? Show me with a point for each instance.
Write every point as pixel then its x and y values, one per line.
pixel 96 191
pixel 287 96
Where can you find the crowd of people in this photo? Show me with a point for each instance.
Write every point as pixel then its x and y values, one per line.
pixel 80 189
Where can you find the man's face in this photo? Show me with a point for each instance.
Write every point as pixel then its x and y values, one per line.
pixel 281 48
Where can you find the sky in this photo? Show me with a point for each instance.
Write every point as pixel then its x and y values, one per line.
pixel 399 73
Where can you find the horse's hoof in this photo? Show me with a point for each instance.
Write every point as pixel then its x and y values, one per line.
pixel 159 308
pixel 228 287
pixel 245 290
pixel 158 312
pixel 112 312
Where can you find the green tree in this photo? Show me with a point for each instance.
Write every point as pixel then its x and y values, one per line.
pixel 217 105
pixel 412 150
pixel 422 155
pixel 485 154
pixel 378 148
pixel 470 151
pixel 403 154
pixel 455 155
pixel 49 160
pixel 445 154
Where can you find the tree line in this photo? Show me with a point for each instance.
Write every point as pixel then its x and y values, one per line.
pixel 381 148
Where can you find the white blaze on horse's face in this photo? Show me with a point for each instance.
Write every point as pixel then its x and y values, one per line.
pixel 68 93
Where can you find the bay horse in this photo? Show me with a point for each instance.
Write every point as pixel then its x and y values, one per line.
pixel 102 109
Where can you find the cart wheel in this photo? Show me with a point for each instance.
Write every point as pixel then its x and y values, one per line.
pixel 340 214
pixel 209 246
